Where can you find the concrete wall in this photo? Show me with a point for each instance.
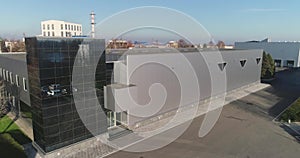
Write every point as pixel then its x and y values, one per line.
pixel 279 50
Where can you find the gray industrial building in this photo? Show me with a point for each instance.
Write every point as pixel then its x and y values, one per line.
pixel 285 54
pixel 15 77
pixel 242 67
pixel 43 79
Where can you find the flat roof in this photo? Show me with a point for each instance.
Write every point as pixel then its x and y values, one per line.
pixel 14 55
pixel 60 21
pixel 120 54
pixel 67 38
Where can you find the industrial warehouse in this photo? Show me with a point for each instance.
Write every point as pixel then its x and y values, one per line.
pixel 58 78
pixel 285 54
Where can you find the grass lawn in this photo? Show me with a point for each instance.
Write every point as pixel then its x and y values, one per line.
pixel 292 113
pixel 11 139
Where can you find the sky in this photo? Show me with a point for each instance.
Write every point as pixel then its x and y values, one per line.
pixel 230 20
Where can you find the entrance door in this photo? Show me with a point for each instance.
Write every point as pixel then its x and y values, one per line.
pixel 111 119
pixel 116 118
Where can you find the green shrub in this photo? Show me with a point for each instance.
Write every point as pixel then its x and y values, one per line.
pixel 292 113
pixel 268 66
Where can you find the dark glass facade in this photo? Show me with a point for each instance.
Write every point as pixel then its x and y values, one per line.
pixel 52 86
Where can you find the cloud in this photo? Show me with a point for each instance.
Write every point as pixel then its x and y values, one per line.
pixel 263 10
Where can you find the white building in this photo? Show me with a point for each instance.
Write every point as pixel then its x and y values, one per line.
pixel 285 54
pixel 57 28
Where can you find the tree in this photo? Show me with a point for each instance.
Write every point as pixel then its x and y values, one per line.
pixel 182 43
pixel 3 48
pixel 18 46
pixel 15 46
pixel 211 44
pixel 292 113
pixel 220 44
pixel 268 66
pixel 272 64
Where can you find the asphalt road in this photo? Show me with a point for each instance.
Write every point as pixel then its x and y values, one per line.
pixel 286 86
pixel 244 129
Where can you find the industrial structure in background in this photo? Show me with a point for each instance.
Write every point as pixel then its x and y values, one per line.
pixel 58 28
pixel 119 44
pixel 285 54
pixel 93 24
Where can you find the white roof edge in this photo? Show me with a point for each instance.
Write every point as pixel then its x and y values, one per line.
pixel 60 21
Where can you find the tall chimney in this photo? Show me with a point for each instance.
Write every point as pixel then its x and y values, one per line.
pixel 93 24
